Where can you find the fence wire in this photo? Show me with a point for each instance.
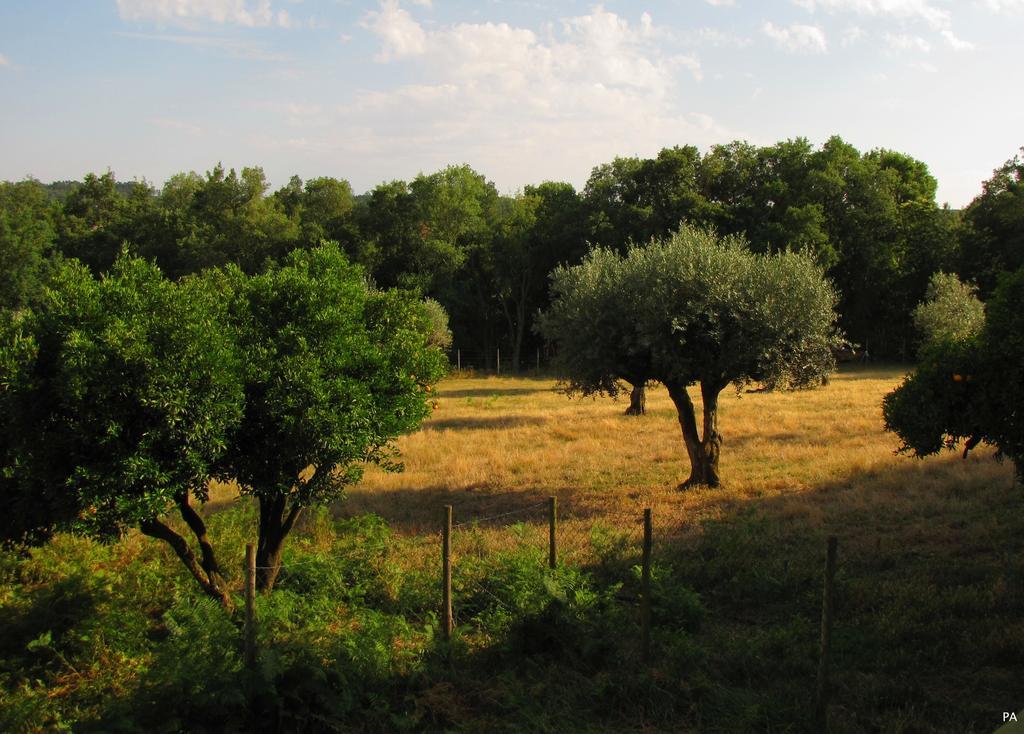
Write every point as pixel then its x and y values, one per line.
pixel 495 555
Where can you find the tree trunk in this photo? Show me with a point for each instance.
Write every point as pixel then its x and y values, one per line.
pixel 703 453
pixel 198 528
pixel 273 529
pixel 638 399
pixel 212 584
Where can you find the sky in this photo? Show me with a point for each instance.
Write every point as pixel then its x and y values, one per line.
pixel 522 91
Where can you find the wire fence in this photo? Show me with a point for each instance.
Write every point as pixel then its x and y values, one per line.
pixel 481 570
pixel 497 361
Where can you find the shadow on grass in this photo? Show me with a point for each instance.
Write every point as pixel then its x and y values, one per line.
pixel 928 633
pixel 871 370
pixel 55 610
pixel 478 424
pixel 483 392
pixel 929 609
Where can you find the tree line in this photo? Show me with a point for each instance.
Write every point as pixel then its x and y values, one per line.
pixel 869 219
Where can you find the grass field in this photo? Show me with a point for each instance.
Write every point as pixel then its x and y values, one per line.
pixel 931 615
pixel 929 632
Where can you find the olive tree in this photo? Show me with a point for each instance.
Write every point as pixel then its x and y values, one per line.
pixel 335 371
pixel 950 311
pixel 116 400
pixel 693 309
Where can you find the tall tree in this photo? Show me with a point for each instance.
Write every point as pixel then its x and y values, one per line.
pixel 993 240
pixel 693 309
pixel 335 371
pixel 116 396
pixel 27 239
pixel 968 386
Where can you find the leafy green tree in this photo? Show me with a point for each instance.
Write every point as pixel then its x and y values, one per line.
pixel 993 238
pixel 517 265
pixel 439 334
pixel 951 311
pixel 692 309
pixel 89 226
pixel 26 241
pixel 968 387
pixel 390 227
pixel 229 219
pixel 325 210
pixel 116 397
pixel 335 371
pixel 617 211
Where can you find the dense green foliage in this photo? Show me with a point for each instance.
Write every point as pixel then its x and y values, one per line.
pixel 870 219
pixel 993 242
pixel 692 309
pixel 117 397
pixel 334 372
pixel 968 386
pixel 27 240
pixel 122 397
pixel 950 311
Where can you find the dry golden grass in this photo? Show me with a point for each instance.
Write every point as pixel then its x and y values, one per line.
pixel 816 459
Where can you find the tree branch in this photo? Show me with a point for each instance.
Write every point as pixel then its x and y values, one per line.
pixel 198 528
pixel 156 529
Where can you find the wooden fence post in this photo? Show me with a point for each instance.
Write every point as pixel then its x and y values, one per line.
pixel 250 606
pixel 458 356
pixel 827 601
pixel 552 529
pixel 538 360
pixel 499 361
pixel 645 590
pixel 446 562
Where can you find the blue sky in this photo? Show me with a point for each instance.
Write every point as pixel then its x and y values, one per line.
pixel 522 91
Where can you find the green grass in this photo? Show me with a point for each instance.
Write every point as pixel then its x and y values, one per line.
pixel 928 637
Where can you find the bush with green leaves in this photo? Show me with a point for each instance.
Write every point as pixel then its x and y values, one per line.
pixel 950 311
pixel 968 388
pixel 116 398
pixel 122 397
pixel 695 308
pixel 334 372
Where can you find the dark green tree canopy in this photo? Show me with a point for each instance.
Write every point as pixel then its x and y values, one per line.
pixel 334 372
pixel 994 236
pixel 120 398
pixel 117 396
pixel 27 237
pixel 968 387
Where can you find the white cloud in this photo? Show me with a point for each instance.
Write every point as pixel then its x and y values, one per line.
pixel 904 42
pixel 4 61
pixel 925 67
pixel 715 38
pixel 257 13
pixel 957 44
pixel 720 3
pixel 802 39
pixel 1005 6
pixel 533 105
pixel 401 34
pixel 923 10
pixel 852 35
